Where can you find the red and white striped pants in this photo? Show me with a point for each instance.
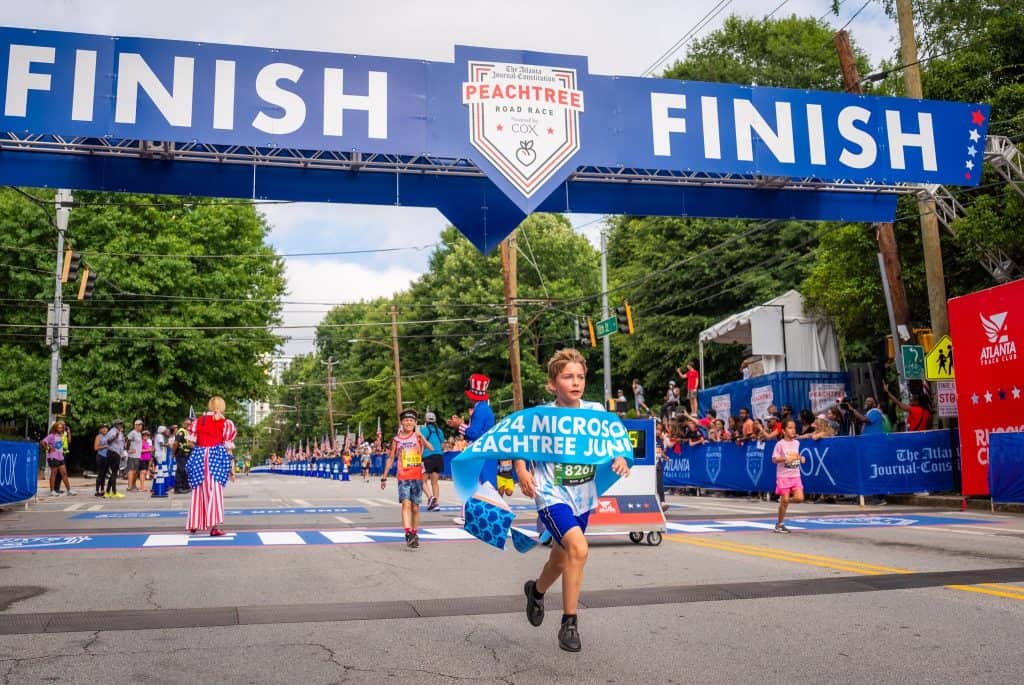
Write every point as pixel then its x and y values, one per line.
pixel 206 509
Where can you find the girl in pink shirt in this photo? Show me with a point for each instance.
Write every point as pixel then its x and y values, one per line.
pixel 787 460
pixel 145 459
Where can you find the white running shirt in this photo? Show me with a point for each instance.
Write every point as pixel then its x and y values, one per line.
pixel 580 498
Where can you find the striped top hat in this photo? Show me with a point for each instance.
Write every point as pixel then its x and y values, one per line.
pixel 477 389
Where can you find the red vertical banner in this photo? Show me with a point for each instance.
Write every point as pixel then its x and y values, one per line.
pixel 987 328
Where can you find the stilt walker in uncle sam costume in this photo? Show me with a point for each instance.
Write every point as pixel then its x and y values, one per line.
pixel 566 454
pixel 209 468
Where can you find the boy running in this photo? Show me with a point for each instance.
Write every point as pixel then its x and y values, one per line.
pixel 787 460
pixel 408 447
pixel 563 504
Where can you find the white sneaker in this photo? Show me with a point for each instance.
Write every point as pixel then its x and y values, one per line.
pixel 72 493
pixel 54 493
pixel 459 521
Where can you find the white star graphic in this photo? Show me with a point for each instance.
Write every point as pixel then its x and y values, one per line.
pixel 972 151
pixel 988 396
pixel 974 398
pixel 975 137
pixel 969 164
pixel 1016 392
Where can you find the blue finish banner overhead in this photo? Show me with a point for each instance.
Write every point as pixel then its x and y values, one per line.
pixel 1006 467
pixel 884 464
pixel 528 120
pixel 19 469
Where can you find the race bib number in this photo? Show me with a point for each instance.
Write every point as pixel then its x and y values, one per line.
pixel 574 474
pixel 411 457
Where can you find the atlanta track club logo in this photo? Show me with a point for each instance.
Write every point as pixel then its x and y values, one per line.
pixel 524 119
pixel 1001 349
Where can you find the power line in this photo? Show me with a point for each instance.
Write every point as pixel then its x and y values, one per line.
pixel 770 14
pixel 701 23
pixel 252 255
pixel 850 20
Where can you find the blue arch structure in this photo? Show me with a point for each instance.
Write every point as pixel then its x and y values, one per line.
pixel 487 139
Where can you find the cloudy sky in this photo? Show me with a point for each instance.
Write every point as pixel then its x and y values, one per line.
pixel 618 37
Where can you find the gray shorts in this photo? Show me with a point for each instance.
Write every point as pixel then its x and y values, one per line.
pixel 134 463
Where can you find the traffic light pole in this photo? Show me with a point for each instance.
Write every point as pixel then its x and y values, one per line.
pixel 60 200
pixel 606 342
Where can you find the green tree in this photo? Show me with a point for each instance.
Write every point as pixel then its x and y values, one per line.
pixel 138 347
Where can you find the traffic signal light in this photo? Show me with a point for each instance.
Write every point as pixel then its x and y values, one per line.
pixel 624 314
pixel 60 408
pixel 88 284
pixel 71 261
pixel 590 332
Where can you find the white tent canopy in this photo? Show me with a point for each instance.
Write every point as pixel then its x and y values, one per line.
pixel 781 334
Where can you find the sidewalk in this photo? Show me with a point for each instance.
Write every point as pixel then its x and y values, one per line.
pixel 955 502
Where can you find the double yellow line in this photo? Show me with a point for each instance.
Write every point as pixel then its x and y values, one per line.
pixel 994 589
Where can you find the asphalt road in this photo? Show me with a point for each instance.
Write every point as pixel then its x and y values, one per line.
pixel 314 585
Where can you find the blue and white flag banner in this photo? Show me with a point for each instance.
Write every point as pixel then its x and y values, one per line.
pixel 547 434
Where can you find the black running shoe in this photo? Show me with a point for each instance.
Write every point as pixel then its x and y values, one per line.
pixel 569 636
pixel 414 540
pixel 534 605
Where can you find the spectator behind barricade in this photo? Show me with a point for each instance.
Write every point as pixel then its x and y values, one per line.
pixel 872 421
pixel 806 425
pixel 748 429
pixel 745 369
pixel 919 415
pixel 724 434
pixel 772 411
pixel 786 413
pixel 772 429
pixel 707 420
pixel 671 405
pixel 639 402
pixel 835 419
pixel 822 429
pixel 692 434
pixel 735 427
pixel 847 424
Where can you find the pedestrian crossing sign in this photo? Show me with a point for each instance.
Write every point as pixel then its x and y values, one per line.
pixel 938 363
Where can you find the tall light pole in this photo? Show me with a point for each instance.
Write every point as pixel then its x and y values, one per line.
pixel 330 401
pixel 394 353
pixel 62 202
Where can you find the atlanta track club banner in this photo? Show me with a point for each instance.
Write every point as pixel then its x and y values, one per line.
pixel 986 328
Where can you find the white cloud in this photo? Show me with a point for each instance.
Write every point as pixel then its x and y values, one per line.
pixel 316 284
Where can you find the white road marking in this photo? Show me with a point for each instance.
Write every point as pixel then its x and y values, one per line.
pixel 73 507
pixel 302 503
pixel 95 507
pixel 343 519
pixel 369 502
pixel 1018 531
pixel 388 502
pixel 281 538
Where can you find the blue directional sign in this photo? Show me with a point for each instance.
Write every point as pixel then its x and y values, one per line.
pixel 513 132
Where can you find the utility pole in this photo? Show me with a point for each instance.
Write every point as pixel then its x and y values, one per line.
pixel 61 201
pixel 933 269
pixel 511 282
pixel 892 274
pixel 398 368
pixel 330 401
pixel 606 342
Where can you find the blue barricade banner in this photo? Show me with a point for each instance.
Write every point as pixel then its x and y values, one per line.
pixel 19 469
pixel 861 465
pixel 1006 467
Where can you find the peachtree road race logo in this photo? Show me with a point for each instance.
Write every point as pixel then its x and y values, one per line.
pixel 713 462
pixel 524 118
pixel 1002 348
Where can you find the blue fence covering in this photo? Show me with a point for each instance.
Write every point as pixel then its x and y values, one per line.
pixel 1006 467
pixel 814 390
pixel 884 464
pixel 19 469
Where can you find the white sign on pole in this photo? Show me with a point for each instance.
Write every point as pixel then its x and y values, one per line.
pixel 945 395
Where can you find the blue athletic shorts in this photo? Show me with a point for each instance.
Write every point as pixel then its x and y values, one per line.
pixel 559 520
pixel 411 490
